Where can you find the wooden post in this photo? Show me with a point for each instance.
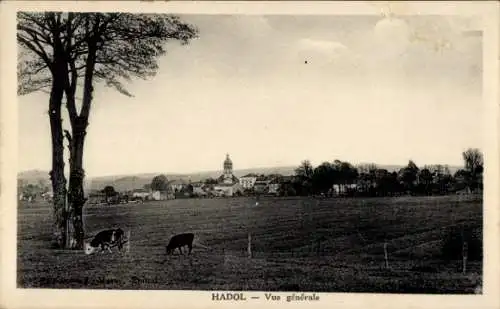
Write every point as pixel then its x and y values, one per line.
pixel 386 256
pixel 464 256
pixel 249 249
pixel 249 246
pixel 127 249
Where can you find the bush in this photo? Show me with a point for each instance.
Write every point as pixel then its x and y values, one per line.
pixel 453 241
pixel 287 191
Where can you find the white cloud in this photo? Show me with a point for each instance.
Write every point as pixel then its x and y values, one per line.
pixel 322 46
pixel 319 51
pixel 391 37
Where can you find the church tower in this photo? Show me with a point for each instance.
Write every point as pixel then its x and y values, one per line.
pixel 228 170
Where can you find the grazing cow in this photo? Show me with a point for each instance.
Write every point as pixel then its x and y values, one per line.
pixel 179 241
pixel 104 240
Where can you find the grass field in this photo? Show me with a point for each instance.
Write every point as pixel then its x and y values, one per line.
pixel 299 244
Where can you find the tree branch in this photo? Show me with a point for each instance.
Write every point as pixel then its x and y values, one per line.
pixel 40 52
pixel 32 17
pixel 44 37
pixel 70 88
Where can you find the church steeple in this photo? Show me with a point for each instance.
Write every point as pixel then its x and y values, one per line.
pixel 228 170
pixel 228 164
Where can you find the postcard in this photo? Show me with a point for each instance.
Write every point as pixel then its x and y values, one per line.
pixel 205 154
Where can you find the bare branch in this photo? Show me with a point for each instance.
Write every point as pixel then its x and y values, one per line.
pixel 43 37
pixel 126 45
pixel 38 19
pixel 31 78
pixel 70 93
pixel 34 48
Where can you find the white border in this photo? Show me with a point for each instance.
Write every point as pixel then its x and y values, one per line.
pixel 11 297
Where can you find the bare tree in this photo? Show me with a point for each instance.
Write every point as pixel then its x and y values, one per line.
pixel 473 160
pixel 305 169
pixel 61 53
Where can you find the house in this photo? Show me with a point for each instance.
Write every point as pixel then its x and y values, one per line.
pixel 274 187
pixel 177 185
pixel 343 189
pixel 228 189
pixel 261 186
pixel 197 184
pixel 161 195
pixel 141 194
pixel 199 191
pixel 248 181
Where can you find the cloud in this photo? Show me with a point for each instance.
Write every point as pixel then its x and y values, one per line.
pixel 391 36
pixel 320 51
pixel 328 47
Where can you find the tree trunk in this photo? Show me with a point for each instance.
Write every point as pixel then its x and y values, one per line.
pixel 76 196
pixel 57 173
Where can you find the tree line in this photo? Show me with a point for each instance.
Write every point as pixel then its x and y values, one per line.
pixel 340 177
pixel 343 178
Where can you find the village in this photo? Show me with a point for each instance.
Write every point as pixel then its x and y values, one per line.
pixel 227 185
pixel 362 180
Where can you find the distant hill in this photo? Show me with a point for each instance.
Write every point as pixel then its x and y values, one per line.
pixel 39 177
pixel 34 177
pixel 130 182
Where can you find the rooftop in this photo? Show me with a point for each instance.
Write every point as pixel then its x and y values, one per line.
pixel 250 175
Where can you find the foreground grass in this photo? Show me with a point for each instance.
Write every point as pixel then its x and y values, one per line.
pixel 299 244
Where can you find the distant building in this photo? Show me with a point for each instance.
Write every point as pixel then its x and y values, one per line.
pixel 274 187
pixel 261 186
pixel 141 193
pixel 177 185
pixel 197 184
pixel 227 183
pixel 199 188
pixel 199 191
pixel 161 195
pixel 248 181
pixel 96 197
pixel 343 189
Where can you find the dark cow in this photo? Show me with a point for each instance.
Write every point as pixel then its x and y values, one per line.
pixel 179 241
pixel 104 240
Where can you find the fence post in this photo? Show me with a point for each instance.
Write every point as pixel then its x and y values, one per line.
pixel 464 256
pixel 385 255
pixel 249 249
pixel 128 242
pixel 249 246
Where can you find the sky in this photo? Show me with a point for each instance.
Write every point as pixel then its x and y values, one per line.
pixel 276 90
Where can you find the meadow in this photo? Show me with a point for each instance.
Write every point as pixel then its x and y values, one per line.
pixel 298 244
